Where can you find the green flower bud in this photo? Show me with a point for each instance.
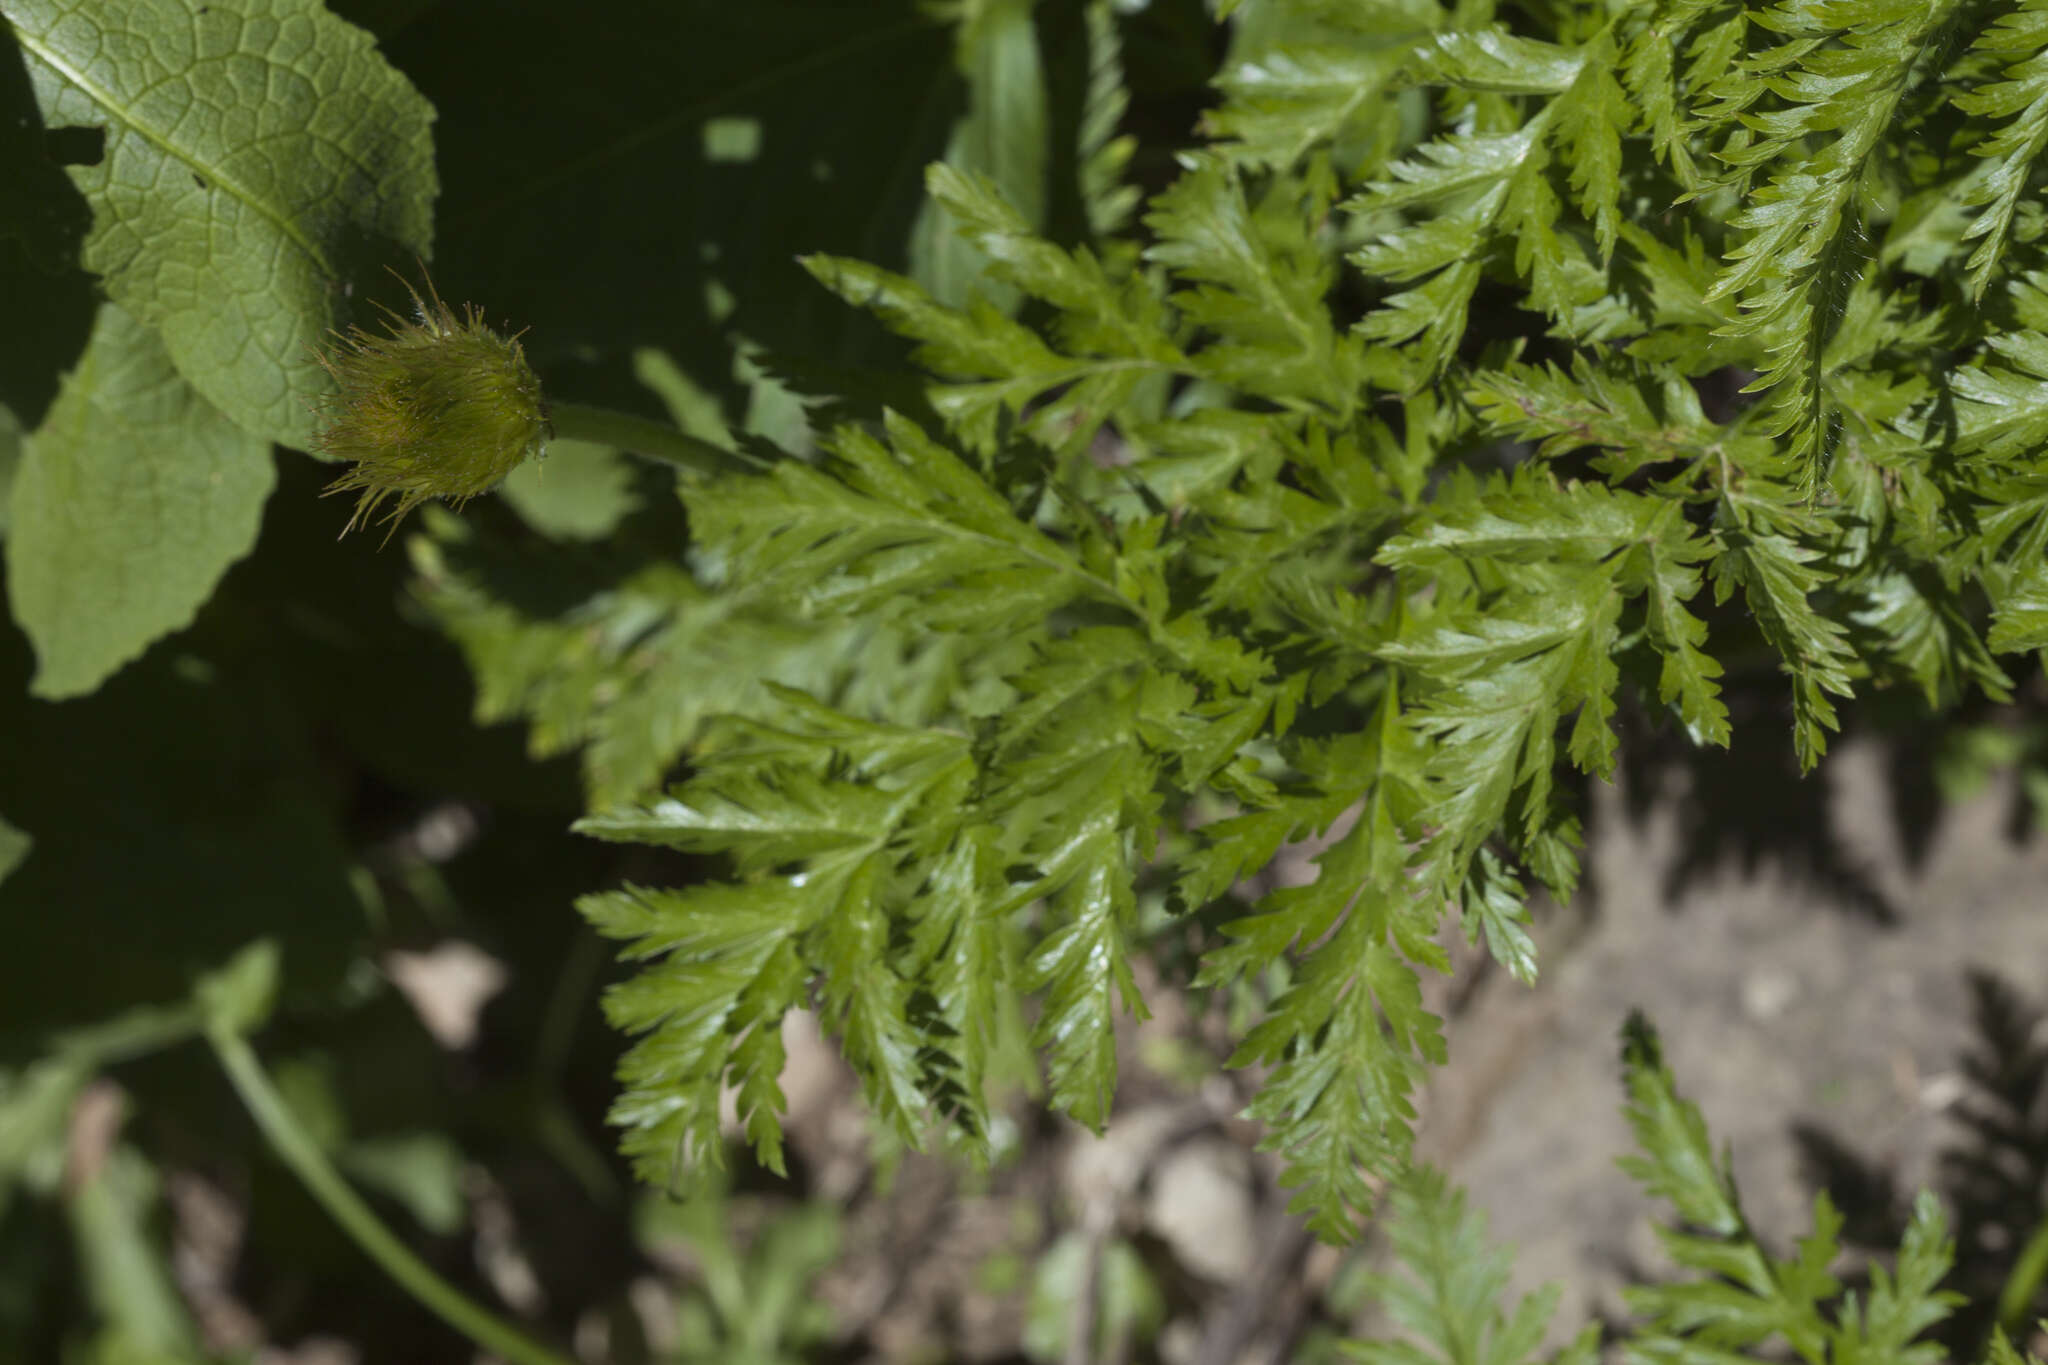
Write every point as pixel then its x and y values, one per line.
pixel 442 407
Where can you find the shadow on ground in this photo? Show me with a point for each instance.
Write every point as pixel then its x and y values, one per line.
pixel 1992 1177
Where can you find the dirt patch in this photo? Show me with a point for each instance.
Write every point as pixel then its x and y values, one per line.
pixel 1821 997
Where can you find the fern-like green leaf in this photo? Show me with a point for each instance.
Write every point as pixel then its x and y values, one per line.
pixel 1347 1036
pixel 1102 151
pixel 1286 101
pixel 1746 1300
pixel 2018 42
pixel 1449 1297
pixel 1488 190
pixel 893 522
pixel 1258 282
pixel 1842 76
pixel 1777 575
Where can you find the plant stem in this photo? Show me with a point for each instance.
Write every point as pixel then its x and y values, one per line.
pixel 603 426
pixel 2023 1283
pixel 296 1148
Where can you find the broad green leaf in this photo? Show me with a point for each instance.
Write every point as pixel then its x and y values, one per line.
pixel 14 846
pixel 579 492
pixel 127 1270
pixel 132 499
pixel 1002 135
pixel 421 1171
pixel 11 437
pixel 260 162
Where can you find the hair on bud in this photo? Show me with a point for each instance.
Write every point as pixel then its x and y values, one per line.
pixel 440 406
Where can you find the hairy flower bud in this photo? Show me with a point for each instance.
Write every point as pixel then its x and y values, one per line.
pixel 441 407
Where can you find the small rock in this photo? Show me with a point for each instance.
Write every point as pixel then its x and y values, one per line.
pixel 448 987
pixel 1766 993
pixel 1201 1206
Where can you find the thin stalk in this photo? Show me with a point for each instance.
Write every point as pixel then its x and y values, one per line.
pixel 603 426
pixel 552 1122
pixel 296 1148
pixel 2023 1283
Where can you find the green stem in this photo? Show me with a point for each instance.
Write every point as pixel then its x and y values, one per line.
pixel 2023 1283
pixel 552 1122
pixel 296 1148
pixel 605 427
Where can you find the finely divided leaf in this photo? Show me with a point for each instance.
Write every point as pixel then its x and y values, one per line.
pixel 1101 150
pixel 1283 103
pixel 815 814
pixel 1348 1036
pixel 1742 1301
pixel 1450 1297
pixel 2018 42
pixel 1777 576
pixel 2020 622
pixel 1489 189
pixel 1677 1160
pixel 1083 966
pixel 710 1011
pixel 1259 282
pixel 1843 78
pixel 894 523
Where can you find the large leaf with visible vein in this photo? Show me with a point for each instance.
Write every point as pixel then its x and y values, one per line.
pixel 260 159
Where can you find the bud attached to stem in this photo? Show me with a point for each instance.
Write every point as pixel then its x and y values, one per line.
pixel 441 407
